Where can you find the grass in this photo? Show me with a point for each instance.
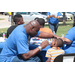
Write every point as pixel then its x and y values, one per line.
pixel 3 30
pixel 61 29
pixel 2 19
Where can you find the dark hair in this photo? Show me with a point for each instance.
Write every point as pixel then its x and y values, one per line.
pixel 74 24
pixel 41 21
pixel 59 42
pixel 17 18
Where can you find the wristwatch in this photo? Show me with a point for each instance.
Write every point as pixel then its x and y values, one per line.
pixel 40 48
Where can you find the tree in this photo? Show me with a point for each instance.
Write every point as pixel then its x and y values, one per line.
pixel 64 19
pixel 12 14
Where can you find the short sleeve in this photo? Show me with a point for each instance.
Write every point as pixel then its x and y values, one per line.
pixel 48 13
pixel 70 35
pixel 59 14
pixel 38 33
pixel 22 46
pixel 48 53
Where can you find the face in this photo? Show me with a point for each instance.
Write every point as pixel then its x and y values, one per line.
pixel 21 21
pixel 53 44
pixel 34 31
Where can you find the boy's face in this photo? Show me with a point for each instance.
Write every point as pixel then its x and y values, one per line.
pixel 54 43
pixel 20 21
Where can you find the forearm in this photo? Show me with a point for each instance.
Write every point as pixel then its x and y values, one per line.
pixel 31 53
pixel 57 17
pixel 48 60
pixel 36 50
pixel 66 41
pixel 45 35
pixel 49 16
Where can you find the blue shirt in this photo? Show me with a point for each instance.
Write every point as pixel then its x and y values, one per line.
pixel 17 43
pixel 71 36
pixel 53 20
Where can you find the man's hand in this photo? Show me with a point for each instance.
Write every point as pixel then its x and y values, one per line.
pixel 44 44
pixel 50 16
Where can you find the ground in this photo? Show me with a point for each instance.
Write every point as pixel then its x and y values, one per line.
pixel 4 23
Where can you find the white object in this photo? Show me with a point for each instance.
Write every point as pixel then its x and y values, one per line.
pixel 68 58
pixel 2 39
pixel 40 48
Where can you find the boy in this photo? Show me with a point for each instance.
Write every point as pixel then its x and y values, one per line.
pixel 55 50
pixel 18 20
pixel 42 23
pixel 53 20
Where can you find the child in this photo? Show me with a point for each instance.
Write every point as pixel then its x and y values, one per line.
pixel 55 50
pixel 42 23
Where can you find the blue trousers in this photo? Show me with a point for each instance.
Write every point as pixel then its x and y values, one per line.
pixel 53 27
pixel 32 59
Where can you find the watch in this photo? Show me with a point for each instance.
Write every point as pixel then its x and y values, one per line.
pixel 40 48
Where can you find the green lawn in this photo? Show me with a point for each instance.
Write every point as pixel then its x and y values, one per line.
pixel 61 29
pixel 1 18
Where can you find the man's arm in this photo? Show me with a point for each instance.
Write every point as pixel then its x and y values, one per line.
pixel 50 16
pixel 66 41
pixel 53 16
pixel 57 17
pixel 47 35
pixel 33 52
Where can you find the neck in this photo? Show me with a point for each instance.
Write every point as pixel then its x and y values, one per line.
pixel 56 47
pixel 27 29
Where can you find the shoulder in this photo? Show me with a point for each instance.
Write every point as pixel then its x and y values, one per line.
pixel 48 13
pixel 51 49
pixel 12 27
pixel 71 30
pixel 61 50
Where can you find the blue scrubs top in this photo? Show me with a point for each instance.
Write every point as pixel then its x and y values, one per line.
pixel 17 43
pixel 53 20
pixel 71 36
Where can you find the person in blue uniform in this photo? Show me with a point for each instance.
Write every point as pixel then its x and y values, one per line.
pixel 16 48
pixel 69 40
pixel 53 20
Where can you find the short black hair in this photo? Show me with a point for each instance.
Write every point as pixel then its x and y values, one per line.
pixel 41 21
pixel 17 17
pixel 59 42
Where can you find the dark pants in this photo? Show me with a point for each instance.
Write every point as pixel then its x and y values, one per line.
pixel 32 59
pixel 53 27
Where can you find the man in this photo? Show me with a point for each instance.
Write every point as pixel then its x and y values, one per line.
pixel 18 49
pixel 18 20
pixel 53 20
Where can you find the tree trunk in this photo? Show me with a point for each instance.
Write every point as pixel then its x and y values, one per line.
pixel 12 23
pixel 64 19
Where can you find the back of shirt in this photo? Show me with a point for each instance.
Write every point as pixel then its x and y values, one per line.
pixel 53 20
pixel 46 30
pixel 17 43
pixel 10 29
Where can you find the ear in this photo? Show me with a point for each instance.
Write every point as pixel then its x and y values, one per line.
pixel 55 44
pixel 31 27
pixel 18 22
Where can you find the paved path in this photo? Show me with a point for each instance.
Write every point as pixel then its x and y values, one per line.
pixel 4 23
